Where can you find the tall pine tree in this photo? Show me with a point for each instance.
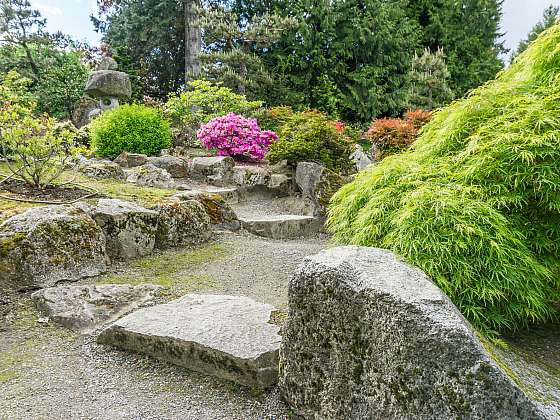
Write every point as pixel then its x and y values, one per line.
pixel 352 53
pixel 468 32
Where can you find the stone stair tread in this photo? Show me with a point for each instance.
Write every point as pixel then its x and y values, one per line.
pixel 274 218
pixel 230 337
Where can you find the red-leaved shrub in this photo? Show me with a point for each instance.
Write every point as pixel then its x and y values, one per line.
pixel 393 135
pixel 418 118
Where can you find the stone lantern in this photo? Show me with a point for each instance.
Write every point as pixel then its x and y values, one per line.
pixel 104 88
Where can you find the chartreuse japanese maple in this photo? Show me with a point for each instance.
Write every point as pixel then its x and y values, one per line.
pixel 475 202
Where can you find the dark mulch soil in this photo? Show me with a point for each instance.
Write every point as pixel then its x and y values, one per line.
pixel 542 342
pixel 50 193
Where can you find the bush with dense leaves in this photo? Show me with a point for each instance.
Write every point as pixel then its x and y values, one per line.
pixel 393 135
pixel 36 147
pixel 236 136
pixel 311 136
pixel 204 101
pixel 274 118
pixel 389 136
pixel 131 128
pixel 418 118
pixel 475 203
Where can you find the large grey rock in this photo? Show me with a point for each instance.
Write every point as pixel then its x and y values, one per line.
pixel 369 336
pixel 281 226
pixel 85 307
pixel 218 209
pixel 225 336
pixel 231 195
pixel 182 223
pixel 107 63
pixel 276 179
pixel 49 244
pixel 250 175
pixel 176 167
pixel 100 169
pixel 82 109
pixel 130 229
pixel 108 83
pixel 130 160
pixel 149 175
pixel 317 184
pixel 217 170
pixel 360 158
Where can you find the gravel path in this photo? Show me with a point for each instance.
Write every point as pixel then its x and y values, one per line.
pixel 47 372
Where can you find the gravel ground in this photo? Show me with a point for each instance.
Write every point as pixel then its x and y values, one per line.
pixel 47 372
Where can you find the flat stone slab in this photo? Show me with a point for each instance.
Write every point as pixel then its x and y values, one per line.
pixel 230 195
pixel 282 226
pixel 229 337
pixel 85 307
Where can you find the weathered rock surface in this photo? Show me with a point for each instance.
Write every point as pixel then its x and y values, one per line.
pixel 317 184
pixel 224 336
pixel 86 307
pixel 82 108
pixel 369 336
pixel 283 226
pixel 182 223
pixel 360 158
pixel 176 167
pixel 220 212
pixel 217 170
pixel 149 175
pixel 276 179
pixel 230 195
pixel 130 229
pixel 49 244
pixel 107 63
pixel 130 160
pixel 249 175
pixel 100 169
pixel 108 83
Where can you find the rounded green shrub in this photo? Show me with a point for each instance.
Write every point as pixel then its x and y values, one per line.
pixel 475 202
pixel 311 137
pixel 131 128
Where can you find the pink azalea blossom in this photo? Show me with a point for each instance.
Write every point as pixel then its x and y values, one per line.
pixel 236 136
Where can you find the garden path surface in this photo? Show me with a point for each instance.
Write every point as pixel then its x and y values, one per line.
pixel 47 372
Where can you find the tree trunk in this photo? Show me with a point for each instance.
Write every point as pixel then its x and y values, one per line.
pixel 193 40
pixel 242 77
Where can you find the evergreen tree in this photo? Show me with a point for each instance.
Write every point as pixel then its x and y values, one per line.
pixel 429 78
pixel 550 18
pixel 21 27
pixel 150 36
pixel 231 42
pixel 468 32
pixel 354 54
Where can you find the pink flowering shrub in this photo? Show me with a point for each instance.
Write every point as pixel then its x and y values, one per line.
pixel 236 136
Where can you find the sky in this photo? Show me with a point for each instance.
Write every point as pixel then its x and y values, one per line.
pixel 72 17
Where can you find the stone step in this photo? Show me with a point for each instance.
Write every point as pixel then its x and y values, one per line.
pixel 281 226
pixel 230 195
pixel 230 337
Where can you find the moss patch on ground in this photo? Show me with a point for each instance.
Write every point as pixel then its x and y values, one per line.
pixel 173 270
pixel 24 335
